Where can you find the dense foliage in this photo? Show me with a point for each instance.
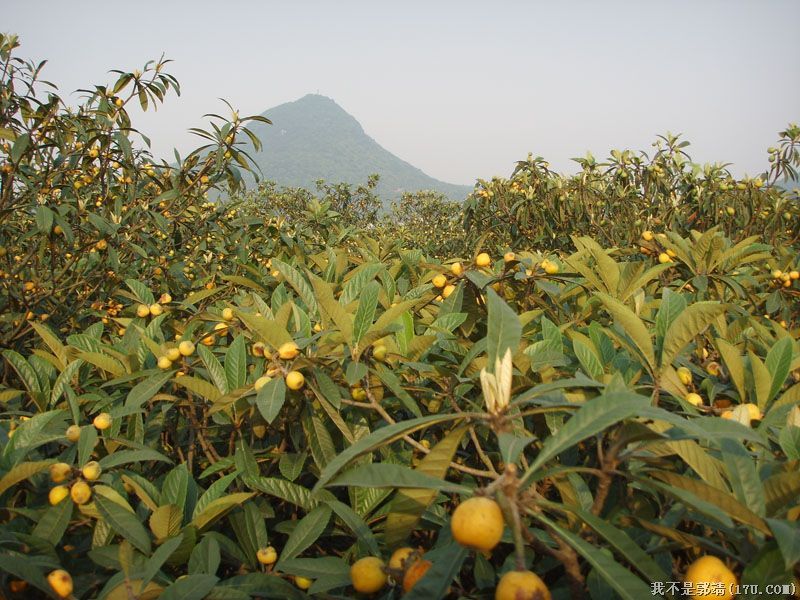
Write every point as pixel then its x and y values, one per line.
pixel 246 398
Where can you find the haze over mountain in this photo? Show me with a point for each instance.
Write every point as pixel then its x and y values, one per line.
pixel 314 138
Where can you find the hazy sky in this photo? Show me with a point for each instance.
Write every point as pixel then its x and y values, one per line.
pixel 460 89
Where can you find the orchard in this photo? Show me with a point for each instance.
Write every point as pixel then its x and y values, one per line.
pixel 570 386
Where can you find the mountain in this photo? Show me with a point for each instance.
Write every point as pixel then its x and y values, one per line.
pixel 314 138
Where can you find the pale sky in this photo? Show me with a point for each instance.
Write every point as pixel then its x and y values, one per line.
pixel 459 89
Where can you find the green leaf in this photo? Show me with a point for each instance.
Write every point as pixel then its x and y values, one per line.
pixel 787 535
pixel 689 324
pixel 23 369
pixel 358 280
pixel 21 472
pixel 621 542
pixel 317 567
pixel 201 387
pixel 733 361
pixel 122 457
pixel 190 587
pixel 378 438
pixel 236 363
pixel 503 330
pixel 588 358
pixel 146 389
pixel 22 567
pixel 268 330
pixel 388 475
pixel 708 500
pixel 632 325
pixel 141 291
pixel 214 491
pixel 285 490
pixel 408 505
pixel 356 524
pixel 365 312
pixel 215 369
pixel 779 361
pixel 595 416
pixel 244 459
pixel 789 439
pixel 762 380
pixel 781 491
pixel 52 341
pixel 305 533
pixel 176 486
pixel 270 399
pixel 291 464
pixel 205 557
pixel 626 584
pixel 391 380
pixel 764 569
pixel 512 445
pixel 103 362
pixel 440 575
pixel 86 444
pixel 124 522
pixel 330 310
pixel 166 520
pixel 218 508
pixel 672 305
pixel 742 475
pixel 54 522
pixel 298 282
pixel 319 439
pixel 159 557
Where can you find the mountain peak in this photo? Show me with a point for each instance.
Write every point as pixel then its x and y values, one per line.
pixel 314 138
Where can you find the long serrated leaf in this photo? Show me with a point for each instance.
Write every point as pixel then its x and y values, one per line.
pixel 159 557
pixel 356 524
pixel 214 491
pixel 216 509
pixel 124 523
pixel 54 522
pixel 626 584
pixel 596 415
pixel 689 324
pixel 377 439
pixel 236 363
pixel 331 311
pixel 288 491
pixel 742 475
pixel 21 472
pixel 190 587
pixel 298 282
pixel 622 543
pixel 778 363
pixel 305 533
pixel 408 505
pixel 387 475
pixel 733 361
pixel 633 327
pixel 712 497
pixel 146 389
pixel 215 369
pixel 270 399
pixel 201 387
pixel 762 380
pixel 503 329
pixel 365 313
